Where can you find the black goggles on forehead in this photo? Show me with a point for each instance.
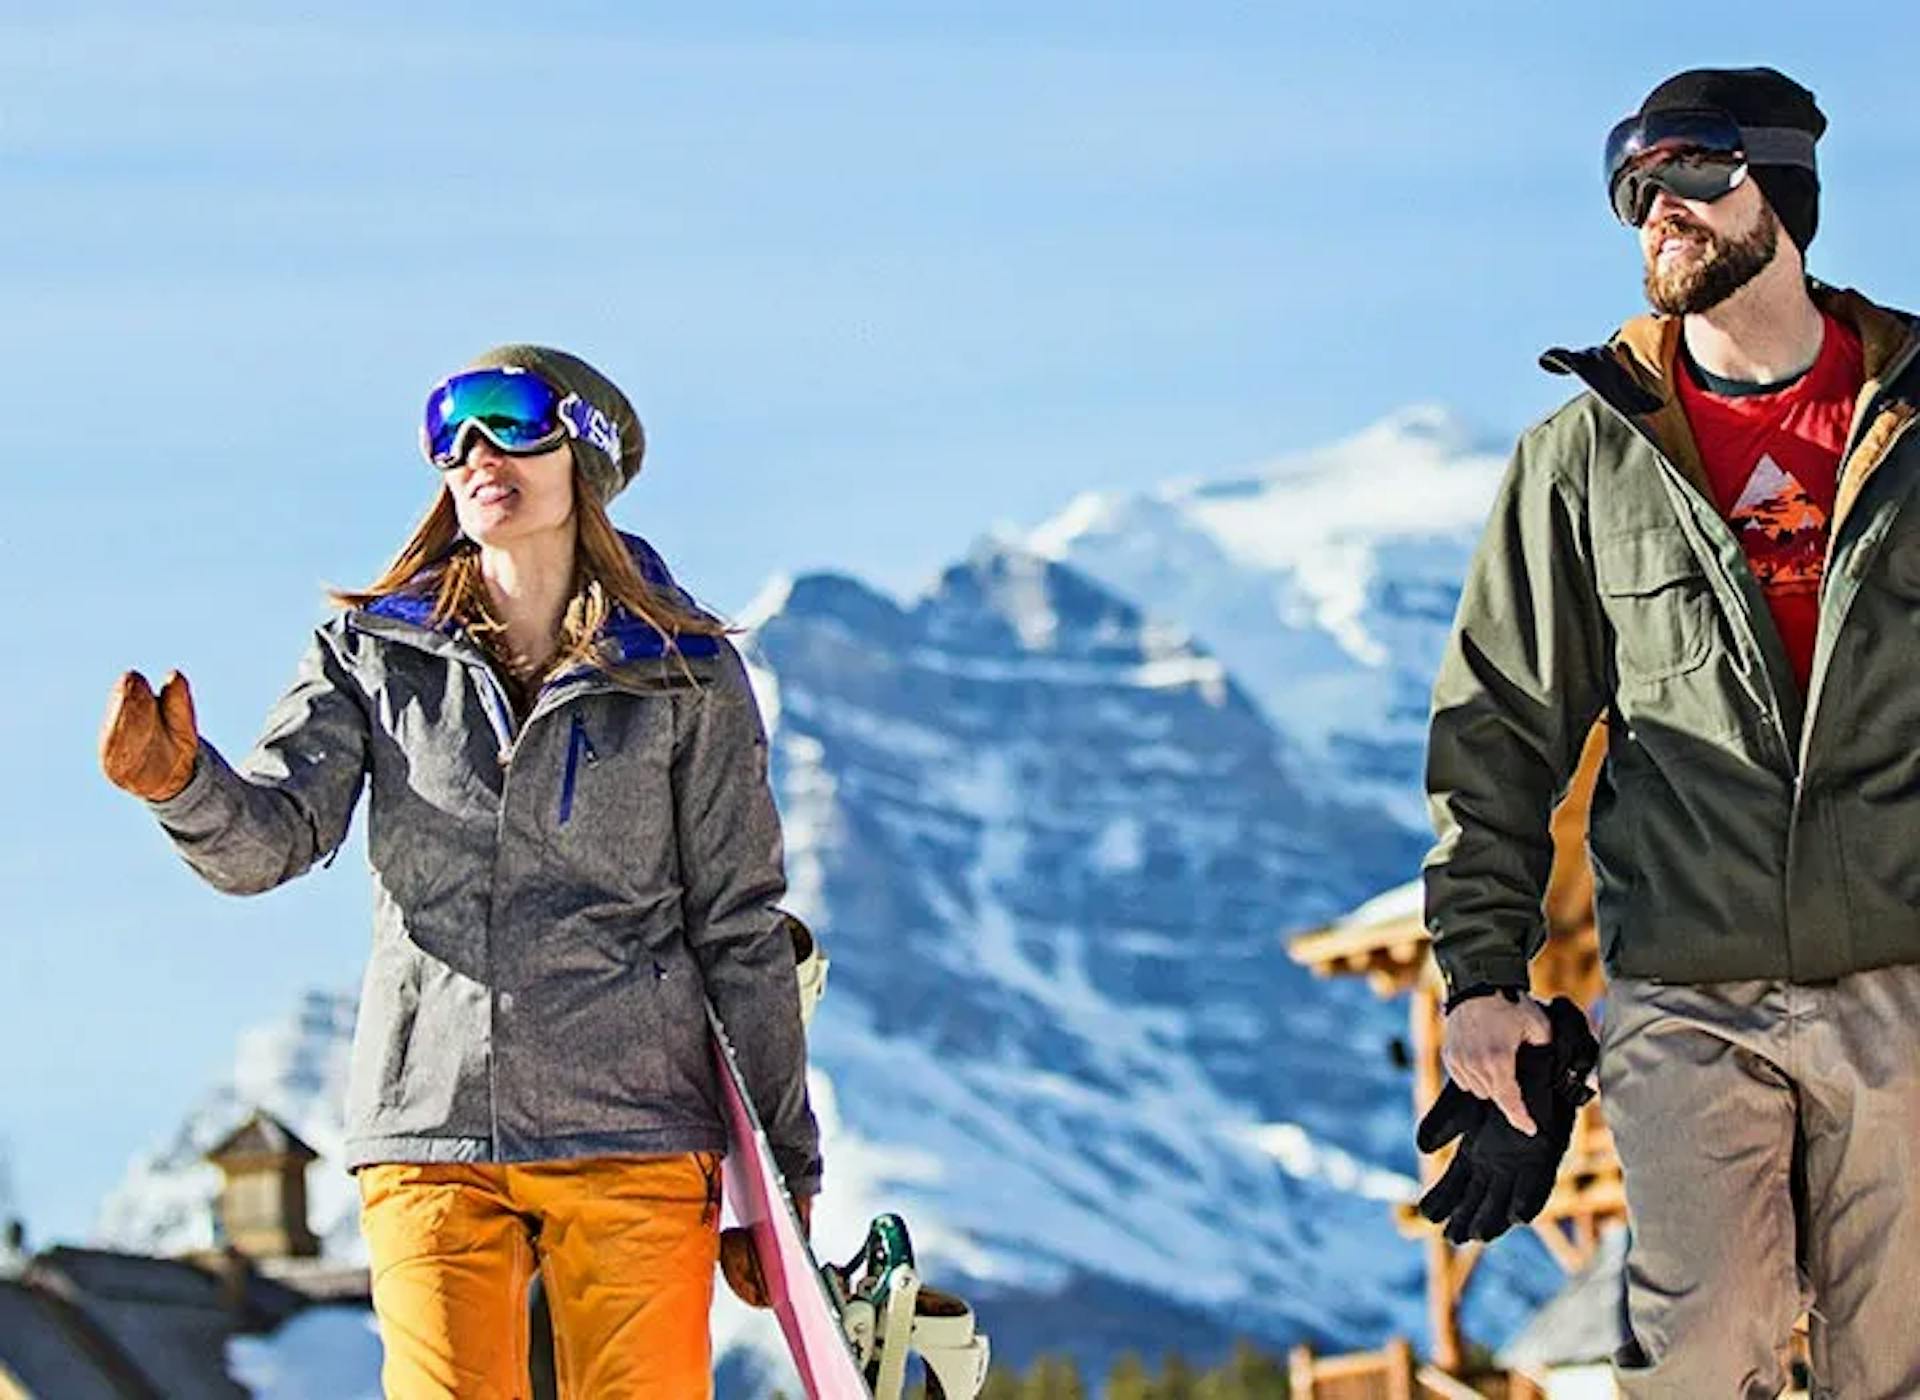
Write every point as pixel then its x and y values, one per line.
pixel 1697 153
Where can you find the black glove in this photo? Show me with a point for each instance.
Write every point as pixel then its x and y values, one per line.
pixel 1501 1176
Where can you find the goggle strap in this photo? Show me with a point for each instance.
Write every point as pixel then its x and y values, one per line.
pixel 590 425
pixel 1778 145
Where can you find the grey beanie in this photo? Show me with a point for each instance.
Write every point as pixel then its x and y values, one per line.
pixel 609 454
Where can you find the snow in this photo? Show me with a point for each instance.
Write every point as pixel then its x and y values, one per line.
pixel 1401 902
pixel 1119 846
pixel 1582 1383
pixel 768 602
pixel 765 686
pixel 1033 615
pixel 1168 672
pixel 324 1353
pixel 1294 1148
pixel 1412 473
pixel 898 736
pixel 1125 1166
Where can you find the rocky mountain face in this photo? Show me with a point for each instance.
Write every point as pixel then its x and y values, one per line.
pixel 1053 847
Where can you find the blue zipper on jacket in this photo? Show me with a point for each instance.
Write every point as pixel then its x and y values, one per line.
pixel 578 744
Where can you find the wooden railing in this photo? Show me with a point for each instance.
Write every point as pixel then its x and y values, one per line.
pixel 1365 1375
pixel 1394 1373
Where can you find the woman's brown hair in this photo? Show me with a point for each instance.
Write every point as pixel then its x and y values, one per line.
pixel 435 557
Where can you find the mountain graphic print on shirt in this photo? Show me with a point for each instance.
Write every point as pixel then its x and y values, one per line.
pixel 1783 527
pixel 1772 454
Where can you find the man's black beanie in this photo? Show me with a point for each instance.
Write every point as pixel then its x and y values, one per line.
pixel 1758 97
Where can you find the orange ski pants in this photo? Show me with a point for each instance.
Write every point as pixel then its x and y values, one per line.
pixel 626 1247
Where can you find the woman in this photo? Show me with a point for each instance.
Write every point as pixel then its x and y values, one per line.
pixel 574 846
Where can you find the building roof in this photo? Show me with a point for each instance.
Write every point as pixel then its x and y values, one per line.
pixel 261 1138
pixel 1384 939
pixel 47 1347
pixel 89 1324
pixel 168 1318
pixel 320 1280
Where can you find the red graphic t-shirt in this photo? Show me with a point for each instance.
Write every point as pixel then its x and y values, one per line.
pixel 1773 459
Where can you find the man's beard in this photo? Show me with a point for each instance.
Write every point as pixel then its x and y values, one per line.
pixel 1692 284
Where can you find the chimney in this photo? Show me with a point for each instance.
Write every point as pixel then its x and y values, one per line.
pixel 13 1248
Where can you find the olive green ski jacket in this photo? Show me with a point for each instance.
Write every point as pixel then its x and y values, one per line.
pixel 1739 829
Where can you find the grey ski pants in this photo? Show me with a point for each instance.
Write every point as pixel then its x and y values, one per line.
pixel 1770 1135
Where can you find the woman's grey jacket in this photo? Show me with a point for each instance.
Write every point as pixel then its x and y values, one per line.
pixel 554 900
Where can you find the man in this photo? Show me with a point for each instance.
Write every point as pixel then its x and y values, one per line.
pixel 1710 548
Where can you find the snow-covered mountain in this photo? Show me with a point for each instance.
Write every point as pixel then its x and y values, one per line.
pixel 1325 581
pixel 1052 846
pixel 1051 821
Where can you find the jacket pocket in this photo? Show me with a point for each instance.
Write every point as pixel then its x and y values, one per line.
pixel 592 1046
pixel 1657 595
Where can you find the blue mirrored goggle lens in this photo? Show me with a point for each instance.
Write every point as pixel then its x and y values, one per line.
pixel 515 409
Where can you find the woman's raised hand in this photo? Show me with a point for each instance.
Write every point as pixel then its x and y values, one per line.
pixel 148 742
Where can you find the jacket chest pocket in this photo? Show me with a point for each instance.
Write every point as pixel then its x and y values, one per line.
pixel 1657 595
pixel 605 776
pixel 580 750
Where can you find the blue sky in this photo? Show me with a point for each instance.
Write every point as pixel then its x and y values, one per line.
pixel 879 278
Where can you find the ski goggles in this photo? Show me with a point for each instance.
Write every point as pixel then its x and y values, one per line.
pixel 1697 153
pixel 512 408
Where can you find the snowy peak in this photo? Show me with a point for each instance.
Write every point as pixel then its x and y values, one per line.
pixel 1004 615
pixel 1325 581
pixel 1010 599
pixel 1418 472
pixel 1005 599
pixel 865 613
pixel 1002 599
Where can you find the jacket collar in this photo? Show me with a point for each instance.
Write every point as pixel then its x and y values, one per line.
pixel 1634 372
pixel 633 638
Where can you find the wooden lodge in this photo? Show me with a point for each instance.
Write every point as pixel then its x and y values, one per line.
pixel 1386 941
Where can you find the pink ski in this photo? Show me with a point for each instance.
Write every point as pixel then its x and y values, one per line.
pixel 808 1317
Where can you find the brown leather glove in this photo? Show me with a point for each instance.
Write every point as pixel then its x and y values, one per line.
pixel 148 744
pixel 740 1266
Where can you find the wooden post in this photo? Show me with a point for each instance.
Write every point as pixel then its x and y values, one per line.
pixel 1300 1373
pixel 1521 1386
pixel 1443 1280
pixel 1399 1369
